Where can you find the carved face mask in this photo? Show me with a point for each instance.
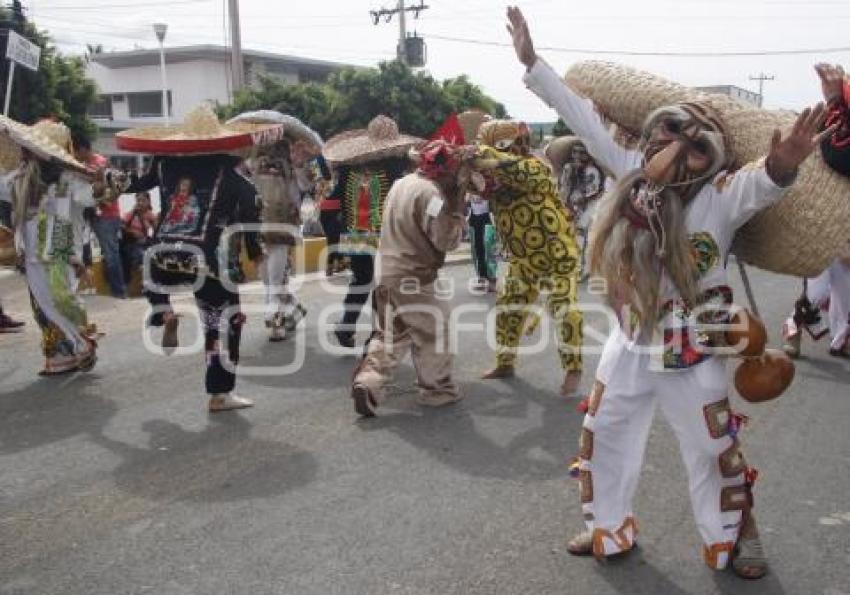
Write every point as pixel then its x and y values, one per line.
pixel 684 147
pixel 509 136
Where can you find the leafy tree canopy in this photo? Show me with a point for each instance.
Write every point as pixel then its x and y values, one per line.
pixel 352 97
pixel 560 129
pixel 59 88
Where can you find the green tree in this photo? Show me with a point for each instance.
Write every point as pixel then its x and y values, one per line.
pixel 560 129
pixel 352 97
pixel 464 95
pixel 60 87
pixel 313 103
pixel 413 99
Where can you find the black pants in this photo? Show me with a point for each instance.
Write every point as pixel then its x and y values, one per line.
pixel 332 227
pixel 363 268
pixel 478 223
pixel 214 300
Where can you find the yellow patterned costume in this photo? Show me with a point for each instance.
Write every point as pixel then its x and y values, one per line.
pixel 544 256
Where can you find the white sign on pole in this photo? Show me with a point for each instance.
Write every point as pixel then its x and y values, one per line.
pixel 23 51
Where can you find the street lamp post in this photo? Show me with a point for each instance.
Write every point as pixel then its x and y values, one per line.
pixel 160 29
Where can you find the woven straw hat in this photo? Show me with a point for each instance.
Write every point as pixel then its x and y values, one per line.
pixel 201 133
pixel 558 151
pixel 48 140
pixel 381 140
pixel 293 128
pixel 471 121
pixel 798 236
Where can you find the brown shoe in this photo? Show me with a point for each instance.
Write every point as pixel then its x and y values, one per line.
pixel 499 372
pixel 364 403
pixel 9 325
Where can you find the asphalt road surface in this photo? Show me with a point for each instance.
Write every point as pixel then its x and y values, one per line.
pixel 118 481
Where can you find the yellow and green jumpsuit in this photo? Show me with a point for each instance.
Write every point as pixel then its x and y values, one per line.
pixel 539 237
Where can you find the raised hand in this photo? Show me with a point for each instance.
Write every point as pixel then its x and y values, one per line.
pixel 518 28
pixel 788 151
pixel 832 81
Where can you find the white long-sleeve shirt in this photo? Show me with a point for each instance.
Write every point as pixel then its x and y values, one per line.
pixel 712 217
pixel 718 210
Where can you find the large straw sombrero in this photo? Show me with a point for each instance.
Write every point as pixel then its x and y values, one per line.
pixel 293 128
pixel 48 140
pixel 381 140
pixel 798 236
pixel 201 133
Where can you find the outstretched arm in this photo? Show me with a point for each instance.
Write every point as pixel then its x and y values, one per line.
pixel 520 174
pixel 758 186
pixel 578 112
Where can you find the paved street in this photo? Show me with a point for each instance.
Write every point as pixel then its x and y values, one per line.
pixel 118 481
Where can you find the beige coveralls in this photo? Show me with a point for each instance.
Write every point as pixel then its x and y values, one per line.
pixel 419 226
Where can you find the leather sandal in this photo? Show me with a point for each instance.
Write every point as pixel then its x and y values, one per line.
pixel 748 558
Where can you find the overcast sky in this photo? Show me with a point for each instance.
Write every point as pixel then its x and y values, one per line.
pixel 342 30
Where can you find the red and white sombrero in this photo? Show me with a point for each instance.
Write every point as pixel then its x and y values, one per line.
pixel 201 133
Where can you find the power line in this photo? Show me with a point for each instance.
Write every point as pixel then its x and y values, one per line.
pixel 833 50
pixel 130 5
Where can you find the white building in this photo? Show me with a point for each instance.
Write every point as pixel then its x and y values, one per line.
pixel 745 95
pixel 130 85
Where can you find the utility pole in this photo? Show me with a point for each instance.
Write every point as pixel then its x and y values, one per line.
pixel 401 51
pixel 761 78
pixel 401 10
pixel 237 66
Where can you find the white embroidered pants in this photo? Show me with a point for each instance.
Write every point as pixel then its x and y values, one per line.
pixel 279 300
pixel 614 437
pixel 834 285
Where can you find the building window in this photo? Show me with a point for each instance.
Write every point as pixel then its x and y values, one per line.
pixel 147 104
pixel 101 109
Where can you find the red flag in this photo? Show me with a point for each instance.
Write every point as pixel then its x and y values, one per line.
pixel 451 131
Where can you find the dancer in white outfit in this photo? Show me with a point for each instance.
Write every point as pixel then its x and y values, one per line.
pixel 832 286
pixel 829 291
pixel 660 242
pixel 280 172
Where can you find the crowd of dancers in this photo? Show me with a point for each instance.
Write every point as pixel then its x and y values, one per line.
pixel 395 205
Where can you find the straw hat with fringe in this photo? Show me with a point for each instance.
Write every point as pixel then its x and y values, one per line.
pixel 798 236
pixel 293 128
pixel 46 139
pixel 201 133
pixel 381 140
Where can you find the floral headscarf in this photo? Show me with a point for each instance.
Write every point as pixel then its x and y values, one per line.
pixel 439 158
